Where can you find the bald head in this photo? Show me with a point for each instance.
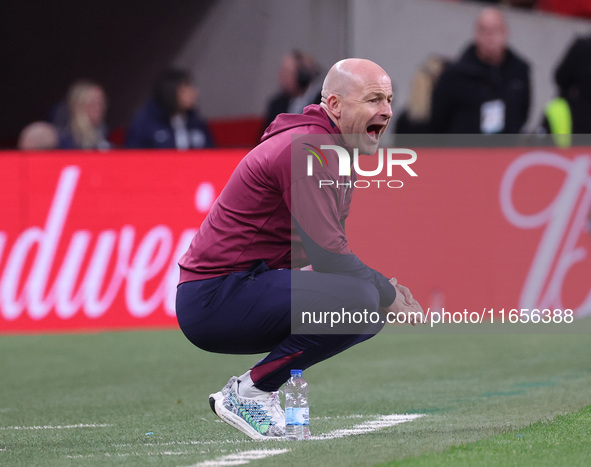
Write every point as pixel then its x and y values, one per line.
pixel 357 96
pixel 38 136
pixel 491 36
pixel 491 17
pixel 348 75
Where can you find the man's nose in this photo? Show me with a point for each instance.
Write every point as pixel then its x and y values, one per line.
pixel 386 110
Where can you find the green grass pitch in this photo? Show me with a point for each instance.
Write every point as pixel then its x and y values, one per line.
pixel 140 398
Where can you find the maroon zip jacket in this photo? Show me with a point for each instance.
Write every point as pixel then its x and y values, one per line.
pixel 272 210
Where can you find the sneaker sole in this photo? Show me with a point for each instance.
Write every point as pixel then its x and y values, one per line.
pixel 216 403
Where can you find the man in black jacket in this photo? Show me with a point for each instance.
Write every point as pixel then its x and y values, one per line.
pixel 573 77
pixel 488 89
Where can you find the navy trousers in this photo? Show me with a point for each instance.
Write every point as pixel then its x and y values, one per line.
pixel 253 311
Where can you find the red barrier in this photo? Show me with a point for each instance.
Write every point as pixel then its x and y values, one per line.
pixel 484 228
pixel 91 240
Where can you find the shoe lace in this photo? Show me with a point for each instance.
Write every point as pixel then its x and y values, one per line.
pixel 255 414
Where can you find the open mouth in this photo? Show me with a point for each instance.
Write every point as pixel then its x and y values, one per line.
pixel 374 131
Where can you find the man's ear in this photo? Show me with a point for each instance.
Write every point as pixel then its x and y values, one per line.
pixel 333 103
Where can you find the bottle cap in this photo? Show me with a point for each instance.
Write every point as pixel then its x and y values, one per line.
pixel 296 372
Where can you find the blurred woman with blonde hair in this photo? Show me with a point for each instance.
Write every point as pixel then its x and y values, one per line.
pixel 87 106
pixel 415 118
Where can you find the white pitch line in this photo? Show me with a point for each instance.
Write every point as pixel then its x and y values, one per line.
pixel 245 457
pixel 53 427
pixel 241 458
pixel 129 454
pixel 382 422
pixel 339 417
pixel 158 453
pixel 186 443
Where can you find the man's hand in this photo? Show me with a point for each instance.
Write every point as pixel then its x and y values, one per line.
pixel 406 305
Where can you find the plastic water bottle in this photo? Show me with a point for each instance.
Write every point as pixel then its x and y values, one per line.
pixel 297 412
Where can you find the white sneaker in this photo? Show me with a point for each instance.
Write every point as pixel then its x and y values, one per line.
pixel 225 390
pixel 260 418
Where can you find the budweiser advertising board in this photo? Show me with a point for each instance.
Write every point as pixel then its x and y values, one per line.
pixel 90 241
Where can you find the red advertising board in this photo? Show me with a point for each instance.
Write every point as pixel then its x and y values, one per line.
pixel 92 240
pixel 484 229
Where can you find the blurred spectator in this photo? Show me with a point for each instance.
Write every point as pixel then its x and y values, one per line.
pixel 573 74
pixel 86 109
pixel 570 113
pixel 170 119
pixel 300 82
pixel 417 115
pixel 59 115
pixel 488 89
pixel 38 136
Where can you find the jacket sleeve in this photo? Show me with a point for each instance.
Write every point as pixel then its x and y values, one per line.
pixel 135 134
pixel 524 114
pixel 564 75
pixel 209 142
pixel 318 205
pixel 318 215
pixel 442 104
pixel 323 260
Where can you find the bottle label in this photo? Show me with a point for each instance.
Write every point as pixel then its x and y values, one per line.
pixel 297 416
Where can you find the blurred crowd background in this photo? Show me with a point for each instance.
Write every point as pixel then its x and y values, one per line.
pixel 213 73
